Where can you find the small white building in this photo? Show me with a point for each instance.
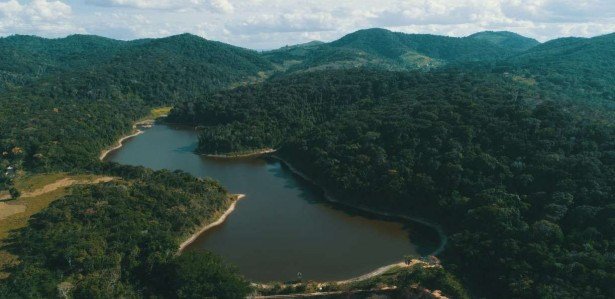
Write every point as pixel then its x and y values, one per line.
pixel 10 171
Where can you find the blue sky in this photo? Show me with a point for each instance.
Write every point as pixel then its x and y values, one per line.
pixel 266 24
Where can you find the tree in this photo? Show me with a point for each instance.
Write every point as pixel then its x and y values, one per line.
pixel 14 193
pixel 204 275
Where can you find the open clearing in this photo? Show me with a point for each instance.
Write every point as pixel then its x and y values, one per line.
pixel 159 112
pixel 38 191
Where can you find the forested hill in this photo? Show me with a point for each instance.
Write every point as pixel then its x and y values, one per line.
pixel 515 157
pixel 508 40
pixel 522 182
pixel 480 139
pixel 157 69
pixel 119 240
pixel 66 99
pixel 384 49
pixel 26 58
pixel 581 68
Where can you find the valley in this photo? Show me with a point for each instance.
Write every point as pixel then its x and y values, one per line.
pixel 493 151
pixel 284 225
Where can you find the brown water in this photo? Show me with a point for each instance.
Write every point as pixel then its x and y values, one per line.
pixel 284 225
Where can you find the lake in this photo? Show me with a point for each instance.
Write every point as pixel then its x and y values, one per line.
pixel 284 225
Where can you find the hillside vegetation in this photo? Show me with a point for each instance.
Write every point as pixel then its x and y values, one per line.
pixel 518 167
pixel 156 70
pixel 61 102
pixel 580 69
pixel 509 144
pixel 120 239
pixel 508 40
pixel 383 49
pixel 80 93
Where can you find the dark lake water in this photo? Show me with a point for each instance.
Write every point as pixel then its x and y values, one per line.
pixel 284 225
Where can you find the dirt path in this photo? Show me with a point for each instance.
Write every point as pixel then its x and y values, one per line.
pixel 7 210
pixel 322 294
pixel 366 276
pixel 220 220
pixel 66 182
pixel 384 269
pixel 377 272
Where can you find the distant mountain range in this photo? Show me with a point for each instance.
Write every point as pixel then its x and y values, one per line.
pixel 380 48
pixel 505 142
pixel 196 65
pixel 191 64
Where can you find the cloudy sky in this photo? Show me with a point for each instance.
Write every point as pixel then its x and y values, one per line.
pixel 266 24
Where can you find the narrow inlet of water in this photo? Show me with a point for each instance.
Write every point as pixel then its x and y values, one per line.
pixel 284 225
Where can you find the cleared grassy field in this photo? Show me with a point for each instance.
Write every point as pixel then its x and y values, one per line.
pixel 159 112
pixel 28 183
pixel 38 192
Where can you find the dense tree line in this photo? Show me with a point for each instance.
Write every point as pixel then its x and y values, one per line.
pixel 43 134
pixel 523 184
pixel 120 239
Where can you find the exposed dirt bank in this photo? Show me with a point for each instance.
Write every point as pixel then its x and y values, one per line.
pixel 207 227
pixel 243 155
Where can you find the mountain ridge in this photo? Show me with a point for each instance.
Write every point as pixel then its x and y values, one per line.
pixel 382 48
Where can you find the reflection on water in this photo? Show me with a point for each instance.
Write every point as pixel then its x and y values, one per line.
pixel 284 225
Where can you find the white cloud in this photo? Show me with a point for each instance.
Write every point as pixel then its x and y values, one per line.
pixel 148 4
pixel 288 22
pixel 50 18
pixel 223 6
pixel 10 8
pixel 272 23
pixel 219 6
pixel 48 10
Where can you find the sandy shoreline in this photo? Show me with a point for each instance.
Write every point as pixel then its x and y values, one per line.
pixel 372 274
pixel 231 208
pixel 135 132
pixel 119 144
pixel 207 227
pixel 247 155
pixel 376 272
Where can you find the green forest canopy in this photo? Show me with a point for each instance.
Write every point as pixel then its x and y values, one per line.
pixel 507 143
pixel 519 169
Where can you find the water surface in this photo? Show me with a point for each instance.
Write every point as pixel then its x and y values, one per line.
pixel 284 225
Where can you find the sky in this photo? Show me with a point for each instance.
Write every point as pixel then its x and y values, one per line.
pixel 268 24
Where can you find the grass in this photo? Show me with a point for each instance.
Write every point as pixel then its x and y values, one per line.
pixel 159 112
pixel 27 183
pixel 33 205
pixel 523 80
pixel 419 60
pixel 17 221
